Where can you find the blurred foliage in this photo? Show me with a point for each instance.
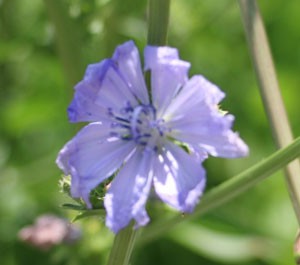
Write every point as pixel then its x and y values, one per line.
pixel 44 49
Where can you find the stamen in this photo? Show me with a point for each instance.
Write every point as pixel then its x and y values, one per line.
pixel 139 124
pixel 121 119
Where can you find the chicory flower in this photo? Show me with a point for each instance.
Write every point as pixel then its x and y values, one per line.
pixel 156 137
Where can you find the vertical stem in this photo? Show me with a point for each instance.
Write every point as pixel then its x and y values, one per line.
pixel 158 21
pixel 157 35
pixel 270 91
pixel 122 246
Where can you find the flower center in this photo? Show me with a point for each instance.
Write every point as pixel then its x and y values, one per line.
pixel 138 124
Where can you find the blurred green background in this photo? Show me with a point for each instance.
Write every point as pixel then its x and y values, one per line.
pixel 44 49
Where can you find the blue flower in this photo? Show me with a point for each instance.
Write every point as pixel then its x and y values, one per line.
pixel 156 138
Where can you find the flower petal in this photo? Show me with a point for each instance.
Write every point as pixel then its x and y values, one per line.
pixel 111 84
pixel 195 92
pixel 83 107
pixel 168 74
pixel 128 62
pixel 212 135
pixel 195 119
pixel 127 195
pixel 91 157
pixel 179 179
pixel 210 131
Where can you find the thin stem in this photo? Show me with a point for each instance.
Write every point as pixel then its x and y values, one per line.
pixel 157 35
pixel 229 189
pixel 158 22
pixel 123 246
pixel 270 91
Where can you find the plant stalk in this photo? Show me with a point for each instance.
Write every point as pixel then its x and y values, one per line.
pixel 158 20
pixel 270 91
pixel 123 246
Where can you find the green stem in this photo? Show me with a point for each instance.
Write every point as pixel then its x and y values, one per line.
pixel 270 91
pixel 123 246
pixel 157 35
pixel 229 189
pixel 158 22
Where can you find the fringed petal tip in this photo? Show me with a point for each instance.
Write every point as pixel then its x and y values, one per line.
pixel 155 55
pixel 192 198
pixel 242 148
pixel 62 160
pixel 123 50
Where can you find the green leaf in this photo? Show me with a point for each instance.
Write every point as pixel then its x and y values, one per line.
pixel 88 213
pixel 75 207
